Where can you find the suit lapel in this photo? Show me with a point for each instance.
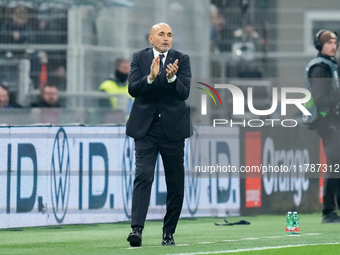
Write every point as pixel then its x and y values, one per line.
pixel 149 58
pixel 169 58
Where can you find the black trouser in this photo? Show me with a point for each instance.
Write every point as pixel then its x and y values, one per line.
pixel 329 130
pixel 172 153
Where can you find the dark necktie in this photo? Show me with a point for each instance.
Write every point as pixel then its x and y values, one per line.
pixel 161 66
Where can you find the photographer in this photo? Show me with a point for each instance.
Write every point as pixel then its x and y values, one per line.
pixel 322 73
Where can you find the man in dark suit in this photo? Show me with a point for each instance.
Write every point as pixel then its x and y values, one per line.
pixel 159 122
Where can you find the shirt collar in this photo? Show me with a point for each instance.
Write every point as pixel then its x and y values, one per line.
pixel 156 53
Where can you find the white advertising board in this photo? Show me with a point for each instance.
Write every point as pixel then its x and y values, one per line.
pixel 77 175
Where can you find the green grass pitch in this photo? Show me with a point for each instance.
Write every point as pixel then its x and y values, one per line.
pixel 265 235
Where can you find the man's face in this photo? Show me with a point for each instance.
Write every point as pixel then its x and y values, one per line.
pixel 329 48
pixel 4 99
pixel 161 37
pixel 50 95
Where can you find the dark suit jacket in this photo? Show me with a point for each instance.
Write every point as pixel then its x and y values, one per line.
pixel 168 98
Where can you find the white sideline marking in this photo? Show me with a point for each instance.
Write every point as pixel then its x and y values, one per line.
pixel 231 240
pixel 254 249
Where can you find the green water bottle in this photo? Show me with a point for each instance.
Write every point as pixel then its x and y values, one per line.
pixel 296 223
pixel 289 223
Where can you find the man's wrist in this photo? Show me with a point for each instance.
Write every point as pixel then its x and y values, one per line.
pixel 150 80
pixel 172 79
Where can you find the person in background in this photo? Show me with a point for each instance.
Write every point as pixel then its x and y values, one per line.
pixel 43 30
pixel 52 25
pixel 17 29
pixel 248 34
pixel 322 73
pixel 118 87
pixel 50 66
pixel 58 77
pixel 6 99
pixel 49 97
pixel 217 23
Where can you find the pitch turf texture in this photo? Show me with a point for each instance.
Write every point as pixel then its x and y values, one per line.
pixel 265 235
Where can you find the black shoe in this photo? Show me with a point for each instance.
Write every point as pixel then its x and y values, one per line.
pixel 331 218
pixel 168 239
pixel 135 237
